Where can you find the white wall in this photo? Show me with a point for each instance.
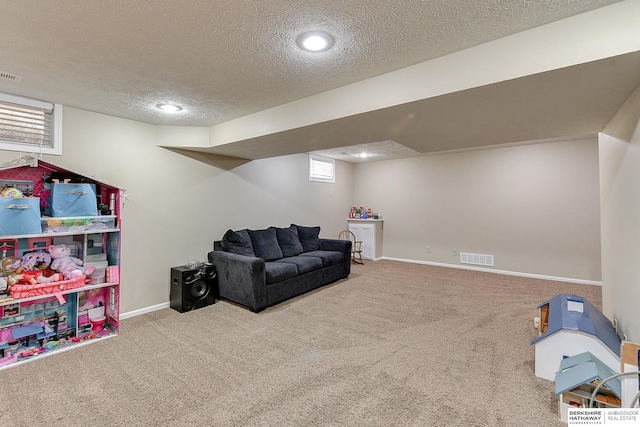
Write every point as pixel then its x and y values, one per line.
pixel 535 207
pixel 177 206
pixel 620 210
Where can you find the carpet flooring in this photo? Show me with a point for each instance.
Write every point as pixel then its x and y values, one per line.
pixel 395 344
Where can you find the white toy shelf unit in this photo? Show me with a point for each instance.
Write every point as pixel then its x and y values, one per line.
pixel 42 313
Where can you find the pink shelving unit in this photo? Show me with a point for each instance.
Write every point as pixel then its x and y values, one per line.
pixel 39 326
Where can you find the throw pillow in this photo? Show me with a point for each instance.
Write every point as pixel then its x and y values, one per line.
pixel 265 244
pixel 237 242
pixel 308 237
pixel 289 241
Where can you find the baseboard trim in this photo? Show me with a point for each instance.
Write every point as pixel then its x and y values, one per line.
pixel 490 270
pixel 135 313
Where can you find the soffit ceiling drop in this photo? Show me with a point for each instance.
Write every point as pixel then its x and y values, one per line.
pixel 221 60
pixel 565 103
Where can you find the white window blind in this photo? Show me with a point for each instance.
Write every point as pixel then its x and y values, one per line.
pixel 29 125
pixel 322 169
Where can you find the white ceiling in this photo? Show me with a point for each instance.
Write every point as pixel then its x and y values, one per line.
pixel 226 59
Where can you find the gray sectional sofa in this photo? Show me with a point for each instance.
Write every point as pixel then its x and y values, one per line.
pixel 260 268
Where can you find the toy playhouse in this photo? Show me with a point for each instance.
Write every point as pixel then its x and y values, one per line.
pixel 59 259
pixel 571 325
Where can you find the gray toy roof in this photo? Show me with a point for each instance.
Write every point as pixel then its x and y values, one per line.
pixel 584 368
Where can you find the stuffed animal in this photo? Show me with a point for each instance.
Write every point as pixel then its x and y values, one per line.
pixel 63 262
pixel 31 261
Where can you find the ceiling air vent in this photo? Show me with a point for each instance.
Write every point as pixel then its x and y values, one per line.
pixel 8 76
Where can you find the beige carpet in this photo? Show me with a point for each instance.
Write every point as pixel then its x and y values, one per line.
pixel 394 345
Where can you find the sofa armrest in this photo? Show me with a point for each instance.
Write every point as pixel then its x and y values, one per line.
pixel 241 279
pixel 335 245
pixel 343 246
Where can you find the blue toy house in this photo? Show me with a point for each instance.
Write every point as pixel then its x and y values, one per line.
pixel 571 325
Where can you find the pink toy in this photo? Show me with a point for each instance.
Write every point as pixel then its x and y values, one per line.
pixel 63 262
pixel 8 359
pixel 21 290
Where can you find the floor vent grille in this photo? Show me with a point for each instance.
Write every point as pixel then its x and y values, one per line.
pixel 477 259
pixel 8 76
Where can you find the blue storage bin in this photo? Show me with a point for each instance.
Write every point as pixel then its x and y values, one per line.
pixel 19 216
pixel 68 200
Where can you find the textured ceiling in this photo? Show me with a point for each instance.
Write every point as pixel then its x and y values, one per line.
pixel 225 59
pixel 373 151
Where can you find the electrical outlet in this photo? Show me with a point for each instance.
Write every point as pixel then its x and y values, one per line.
pixel 428 249
pixel 618 329
pixel 456 252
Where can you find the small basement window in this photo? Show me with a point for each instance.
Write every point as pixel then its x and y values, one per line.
pixel 29 125
pixel 322 169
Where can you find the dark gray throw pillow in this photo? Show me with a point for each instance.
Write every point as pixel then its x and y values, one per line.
pixel 308 237
pixel 289 242
pixel 237 242
pixel 265 244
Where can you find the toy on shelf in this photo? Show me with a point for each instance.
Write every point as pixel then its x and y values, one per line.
pixel 8 359
pixel 63 262
pixel 31 261
pixel 361 213
pixel 40 276
pixel 6 283
pixel 21 290
pixel 11 192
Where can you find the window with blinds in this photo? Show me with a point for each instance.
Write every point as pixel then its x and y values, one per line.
pixel 30 125
pixel 322 169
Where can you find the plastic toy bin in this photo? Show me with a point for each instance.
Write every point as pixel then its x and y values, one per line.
pixel 60 225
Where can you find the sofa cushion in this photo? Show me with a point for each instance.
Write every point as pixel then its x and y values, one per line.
pixel 265 244
pixel 237 242
pixel 289 242
pixel 309 237
pixel 278 271
pixel 304 264
pixel 328 257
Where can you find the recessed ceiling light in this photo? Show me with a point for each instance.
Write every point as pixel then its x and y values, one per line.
pixel 364 155
pixel 169 108
pixel 315 41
